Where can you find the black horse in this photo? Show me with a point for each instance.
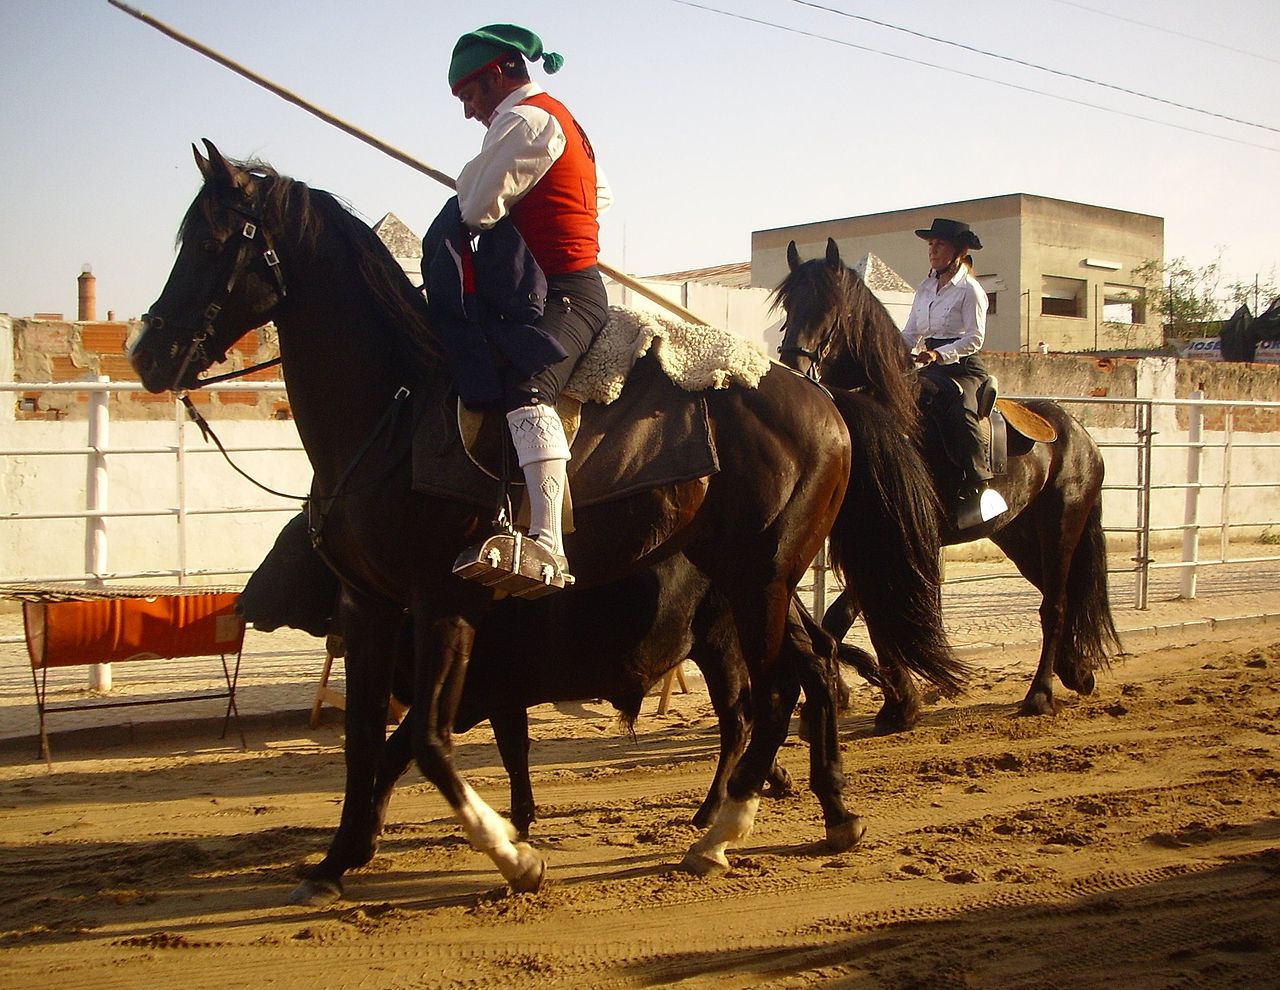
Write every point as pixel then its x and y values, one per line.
pixel 613 642
pixel 257 247
pixel 838 331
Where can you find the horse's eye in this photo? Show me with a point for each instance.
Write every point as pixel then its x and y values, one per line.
pixel 210 246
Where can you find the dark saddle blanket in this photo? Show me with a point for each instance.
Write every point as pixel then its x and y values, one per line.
pixel 654 434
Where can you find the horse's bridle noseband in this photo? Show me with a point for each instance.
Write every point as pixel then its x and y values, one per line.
pixel 239 265
pixel 815 356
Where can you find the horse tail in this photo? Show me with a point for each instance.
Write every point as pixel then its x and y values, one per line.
pixel 885 542
pixel 1089 629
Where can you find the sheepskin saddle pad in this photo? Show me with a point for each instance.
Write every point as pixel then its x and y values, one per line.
pixel 653 433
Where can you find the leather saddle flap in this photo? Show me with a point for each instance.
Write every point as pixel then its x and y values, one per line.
pixel 654 434
pixel 1030 424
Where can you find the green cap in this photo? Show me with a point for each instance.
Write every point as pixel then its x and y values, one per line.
pixel 481 48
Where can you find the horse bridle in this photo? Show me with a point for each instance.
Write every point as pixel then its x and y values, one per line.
pixel 816 355
pixel 249 232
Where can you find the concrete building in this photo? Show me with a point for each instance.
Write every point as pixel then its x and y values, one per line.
pixel 1054 271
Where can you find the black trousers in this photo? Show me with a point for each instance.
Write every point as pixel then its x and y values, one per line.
pixel 956 410
pixel 576 311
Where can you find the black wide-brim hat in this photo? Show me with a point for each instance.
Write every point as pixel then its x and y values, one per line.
pixel 955 231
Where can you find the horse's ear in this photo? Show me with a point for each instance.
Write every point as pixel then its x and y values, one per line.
pixel 218 169
pixel 833 253
pixel 793 256
pixel 202 163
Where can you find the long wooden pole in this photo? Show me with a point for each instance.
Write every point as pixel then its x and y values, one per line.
pixel 401 156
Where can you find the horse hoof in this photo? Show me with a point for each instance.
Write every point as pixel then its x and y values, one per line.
pixel 529 880
pixel 1077 677
pixel 1039 703
pixel 778 784
pixel 845 835
pixel 702 865
pixel 316 893
pixel 1082 684
pixel 896 718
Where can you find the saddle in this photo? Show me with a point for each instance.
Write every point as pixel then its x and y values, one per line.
pixel 657 434
pixel 1009 429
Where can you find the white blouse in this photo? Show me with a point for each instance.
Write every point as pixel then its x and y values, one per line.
pixel 956 311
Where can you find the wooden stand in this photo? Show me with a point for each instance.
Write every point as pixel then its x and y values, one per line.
pixel 675 674
pixel 325 695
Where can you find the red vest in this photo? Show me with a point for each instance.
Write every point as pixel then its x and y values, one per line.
pixel 557 217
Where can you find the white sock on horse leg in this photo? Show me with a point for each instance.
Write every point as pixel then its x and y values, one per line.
pixel 732 823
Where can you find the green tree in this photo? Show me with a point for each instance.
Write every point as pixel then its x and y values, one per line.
pixel 1185 298
pixel 1257 295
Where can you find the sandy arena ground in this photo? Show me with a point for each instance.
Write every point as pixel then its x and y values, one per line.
pixel 1131 841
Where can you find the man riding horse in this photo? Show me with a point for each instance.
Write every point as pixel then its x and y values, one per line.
pixel 536 172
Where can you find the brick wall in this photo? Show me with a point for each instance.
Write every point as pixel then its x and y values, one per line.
pixel 65 351
pixel 1085 375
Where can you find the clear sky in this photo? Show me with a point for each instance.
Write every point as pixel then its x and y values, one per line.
pixel 709 126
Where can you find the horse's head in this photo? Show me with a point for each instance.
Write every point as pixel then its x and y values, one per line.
pixel 837 331
pixel 225 282
pixel 814 296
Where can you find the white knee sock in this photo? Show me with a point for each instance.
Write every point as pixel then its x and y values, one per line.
pixel 543 452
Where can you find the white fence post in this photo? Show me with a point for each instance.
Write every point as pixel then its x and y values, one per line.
pixel 1228 443
pixel 180 453
pixel 96 499
pixel 1142 557
pixel 1191 506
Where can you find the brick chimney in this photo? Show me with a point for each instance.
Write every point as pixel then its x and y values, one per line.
pixel 88 309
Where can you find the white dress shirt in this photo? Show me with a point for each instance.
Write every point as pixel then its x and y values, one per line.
pixel 955 311
pixel 520 144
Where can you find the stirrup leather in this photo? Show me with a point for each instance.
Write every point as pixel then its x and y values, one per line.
pixel 513 563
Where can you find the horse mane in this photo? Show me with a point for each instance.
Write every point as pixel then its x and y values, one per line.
pixel 286 201
pixel 867 351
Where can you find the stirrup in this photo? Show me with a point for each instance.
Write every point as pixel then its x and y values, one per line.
pixel 512 563
pixel 977 505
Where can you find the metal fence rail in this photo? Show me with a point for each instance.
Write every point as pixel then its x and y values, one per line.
pixel 1146 443
pixel 98 452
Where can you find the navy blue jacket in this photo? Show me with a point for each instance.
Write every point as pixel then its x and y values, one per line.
pixel 486 303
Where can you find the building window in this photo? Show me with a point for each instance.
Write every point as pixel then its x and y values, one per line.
pixel 1063 296
pixel 991 285
pixel 1125 304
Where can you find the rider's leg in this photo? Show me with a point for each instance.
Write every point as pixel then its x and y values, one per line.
pixel 976 471
pixel 575 313
pixel 543 453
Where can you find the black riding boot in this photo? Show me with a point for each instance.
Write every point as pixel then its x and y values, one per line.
pixel 975 502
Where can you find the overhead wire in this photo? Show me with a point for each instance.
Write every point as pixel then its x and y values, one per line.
pixel 1168 30
pixel 1031 65
pixel 972 75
